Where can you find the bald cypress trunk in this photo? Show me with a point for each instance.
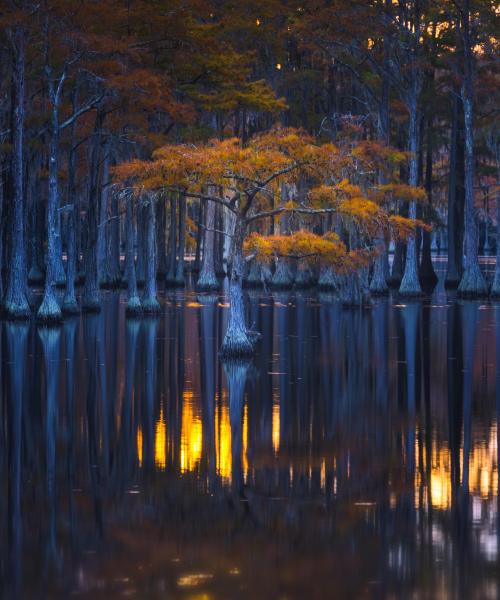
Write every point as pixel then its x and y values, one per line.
pixel 114 271
pixel 207 281
pixel 49 310
pixel 472 283
pixel 495 287
pixel 410 285
pixel 36 213
pixel 161 227
pixel 150 302
pixel 237 341
pixel 199 239
pixel 455 194
pixel 179 273
pixel 91 296
pixel 172 256
pixel 378 283
pixel 134 307
pixel 16 303
pixel 103 229
pixel 70 305
pixel 427 274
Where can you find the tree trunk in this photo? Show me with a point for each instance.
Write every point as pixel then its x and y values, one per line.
pixel 455 196
pixel 49 310
pixel 150 302
pixel 114 271
pixel 378 283
pixel 172 255
pixel 207 281
pixel 70 305
pixel 472 283
pixel 134 307
pixel 179 274
pixel 410 285
pixel 91 297
pixel 237 341
pixel 140 245
pixel 102 230
pixel 495 287
pixel 36 272
pixel 427 274
pixel 282 278
pixel 199 237
pixel 161 227
pixel 16 304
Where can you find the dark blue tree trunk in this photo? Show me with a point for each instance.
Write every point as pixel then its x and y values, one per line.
pixel 16 303
pixel 150 302
pixel 134 307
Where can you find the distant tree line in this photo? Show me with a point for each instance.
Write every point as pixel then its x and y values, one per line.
pixel 391 106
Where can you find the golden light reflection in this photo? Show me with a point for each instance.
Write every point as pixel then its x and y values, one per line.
pixel 160 441
pixel 483 467
pixel 436 489
pixel 139 445
pixel 191 434
pixel 276 427
pixel 223 442
pixel 244 448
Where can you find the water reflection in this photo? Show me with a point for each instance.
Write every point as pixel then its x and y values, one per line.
pixel 360 447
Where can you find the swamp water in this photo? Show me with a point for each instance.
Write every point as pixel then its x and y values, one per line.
pixel 355 457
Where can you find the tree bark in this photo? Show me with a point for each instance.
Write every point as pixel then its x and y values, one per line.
pixel 16 303
pixel 134 307
pixel 161 227
pixel 427 274
pixel 91 297
pixel 150 302
pixel 114 271
pixel 410 285
pixel 199 238
pixel 70 305
pixel 495 287
pixel 103 229
pixel 237 342
pixel 172 255
pixel 179 274
pixel 207 281
pixel 455 195
pixel 472 283
pixel 49 310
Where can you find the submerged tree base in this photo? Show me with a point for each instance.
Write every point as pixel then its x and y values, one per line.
pixel 328 280
pixel 16 311
pixel 473 284
pixel 254 279
pixel 379 288
pixel 151 306
pixel 282 278
pixel 134 307
pixel 239 345
pixel 304 277
pixel 70 307
pixel 410 287
pixel 49 312
pixel 207 285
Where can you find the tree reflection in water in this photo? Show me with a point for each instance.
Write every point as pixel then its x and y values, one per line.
pixel 357 453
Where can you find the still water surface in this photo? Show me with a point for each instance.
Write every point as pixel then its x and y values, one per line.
pixel 356 457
